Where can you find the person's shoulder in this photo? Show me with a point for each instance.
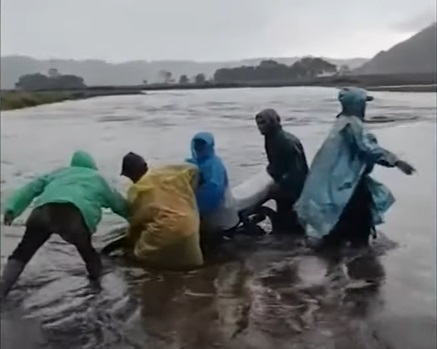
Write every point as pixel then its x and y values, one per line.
pixel 219 160
pixel 56 172
pixel 291 137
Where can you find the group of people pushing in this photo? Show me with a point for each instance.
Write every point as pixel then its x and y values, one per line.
pixel 168 208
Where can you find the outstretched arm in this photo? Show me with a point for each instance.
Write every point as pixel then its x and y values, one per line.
pixel 23 197
pixel 115 201
pixel 368 146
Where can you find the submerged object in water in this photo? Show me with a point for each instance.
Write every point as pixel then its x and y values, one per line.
pixel 249 196
pixel 252 193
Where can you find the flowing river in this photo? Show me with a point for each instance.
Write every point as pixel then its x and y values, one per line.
pixel 266 293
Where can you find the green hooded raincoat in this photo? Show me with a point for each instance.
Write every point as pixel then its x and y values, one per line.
pixel 79 184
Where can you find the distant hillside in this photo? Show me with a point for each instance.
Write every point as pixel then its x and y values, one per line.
pixel 97 72
pixel 415 55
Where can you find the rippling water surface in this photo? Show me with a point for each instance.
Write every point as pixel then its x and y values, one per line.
pixel 270 294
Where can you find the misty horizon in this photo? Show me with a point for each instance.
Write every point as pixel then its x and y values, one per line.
pixel 196 31
pixel 182 60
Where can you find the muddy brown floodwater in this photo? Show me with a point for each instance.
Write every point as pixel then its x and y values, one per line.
pixel 261 294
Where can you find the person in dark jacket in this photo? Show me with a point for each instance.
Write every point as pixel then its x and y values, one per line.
pixel 287 166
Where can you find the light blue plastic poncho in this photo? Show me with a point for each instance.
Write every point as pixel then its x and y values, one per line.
pixel 349 152
pixel 213 174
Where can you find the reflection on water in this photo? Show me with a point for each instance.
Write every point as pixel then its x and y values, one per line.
pixel 254 293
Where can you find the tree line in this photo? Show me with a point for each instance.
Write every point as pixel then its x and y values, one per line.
pixel 52 81
pixel 266 71
pixel 272 71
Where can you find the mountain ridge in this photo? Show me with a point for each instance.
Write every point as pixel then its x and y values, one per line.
pixel 415 55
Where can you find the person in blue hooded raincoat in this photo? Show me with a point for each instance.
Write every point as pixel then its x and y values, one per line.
pixel 214 200
pixel 340 202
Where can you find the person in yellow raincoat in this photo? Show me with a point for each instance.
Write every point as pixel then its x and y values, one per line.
pixel 164 220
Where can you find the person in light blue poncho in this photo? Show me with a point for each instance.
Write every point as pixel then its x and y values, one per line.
pixel 340 202
pixel 214 200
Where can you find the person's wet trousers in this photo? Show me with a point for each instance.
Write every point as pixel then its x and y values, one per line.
pixel 286 220
pixel 355 224
pixel 62 219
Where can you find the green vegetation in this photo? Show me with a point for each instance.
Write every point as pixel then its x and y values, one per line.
pixel 37 89
pixel 53 81
pixel 11 100
pixel 272 71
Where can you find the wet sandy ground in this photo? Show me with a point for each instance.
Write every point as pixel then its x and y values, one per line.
pixel 261 294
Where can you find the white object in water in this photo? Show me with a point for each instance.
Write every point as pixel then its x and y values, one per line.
pixel 248 195
pixel 226 216
pixel 253 191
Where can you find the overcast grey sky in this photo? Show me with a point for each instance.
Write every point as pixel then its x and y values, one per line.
pixel 118 30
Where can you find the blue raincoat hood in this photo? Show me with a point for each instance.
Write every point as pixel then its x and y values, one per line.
pixel 213 174
pixel 353 101
pixel 208 138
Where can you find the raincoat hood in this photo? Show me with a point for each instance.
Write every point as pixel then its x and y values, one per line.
pixel 79 184
pixel 81 158
pixel 208 138
pixel 212 174
pixel 271 118
pixel 353 101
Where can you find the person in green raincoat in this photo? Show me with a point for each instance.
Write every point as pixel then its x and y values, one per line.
pixel 287 166
pixel 69 203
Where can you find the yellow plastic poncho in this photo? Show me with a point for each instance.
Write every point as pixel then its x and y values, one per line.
pixel 164 224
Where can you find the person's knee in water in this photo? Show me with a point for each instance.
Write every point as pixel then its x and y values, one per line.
pixel 287 165
pixel 357 202
pixel 68 202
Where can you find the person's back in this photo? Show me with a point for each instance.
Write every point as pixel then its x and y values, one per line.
pixel 287 160
pixel 164 227
pixel 69 203
pixel 79 184
pixel 216 204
